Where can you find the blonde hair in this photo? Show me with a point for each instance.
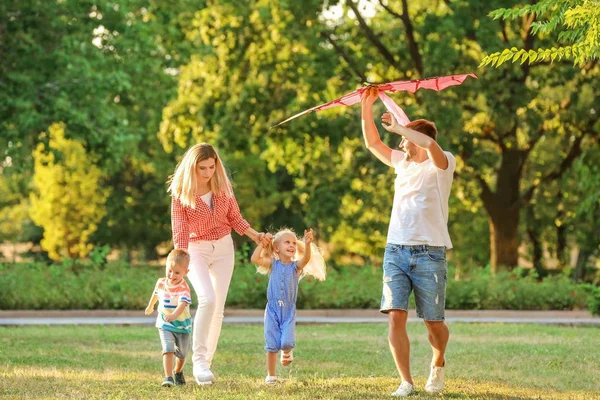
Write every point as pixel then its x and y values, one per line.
pixel 316 265
pixel 182 184
pixel 178 257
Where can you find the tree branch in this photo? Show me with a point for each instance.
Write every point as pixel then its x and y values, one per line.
pixel 373 37
pixel 413 47
pixel 527 38
pixel 574 152
pixel 355 70
pixel 486 193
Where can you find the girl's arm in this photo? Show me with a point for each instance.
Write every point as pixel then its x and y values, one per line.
pixel 258 258
pixel 308 238
pixel 175 314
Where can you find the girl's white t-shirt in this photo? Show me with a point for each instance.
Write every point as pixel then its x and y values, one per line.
pixel 207 198
pixel 421 193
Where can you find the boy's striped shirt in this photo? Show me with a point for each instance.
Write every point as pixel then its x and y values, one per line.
pixel 169 297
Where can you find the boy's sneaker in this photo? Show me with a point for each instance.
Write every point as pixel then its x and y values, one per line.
pixel 271 380
pixel 168 382
pixel 203 375
pixel 435 383
pixel 179 378
pixel 405 389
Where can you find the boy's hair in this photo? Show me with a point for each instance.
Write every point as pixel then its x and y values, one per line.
pixel 426 127
pixel 178 257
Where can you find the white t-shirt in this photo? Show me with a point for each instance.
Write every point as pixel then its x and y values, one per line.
pixel 207 198
pixel 420 211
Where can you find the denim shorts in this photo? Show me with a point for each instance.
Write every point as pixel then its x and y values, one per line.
pixel 419 267
pixel 174 342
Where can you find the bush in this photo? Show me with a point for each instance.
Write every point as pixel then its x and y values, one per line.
pixel 594 301
pixel 117 285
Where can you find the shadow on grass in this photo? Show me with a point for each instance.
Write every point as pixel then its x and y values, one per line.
pixel 37 383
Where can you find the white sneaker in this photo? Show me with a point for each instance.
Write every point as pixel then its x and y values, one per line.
pixel 203 375
pixel 405 389
pixel 271 380
pixel 435 383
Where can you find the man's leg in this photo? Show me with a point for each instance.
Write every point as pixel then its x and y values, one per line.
pixel 438 338
pixel 399 343
pixel 429 281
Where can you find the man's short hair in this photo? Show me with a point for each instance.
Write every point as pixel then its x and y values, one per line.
pixel 426 127
pixel 178 257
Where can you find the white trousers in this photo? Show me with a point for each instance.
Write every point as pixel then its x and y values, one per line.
pixel 211 268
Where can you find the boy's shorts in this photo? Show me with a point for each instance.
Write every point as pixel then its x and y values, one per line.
pixel 174 342
pixel 419 267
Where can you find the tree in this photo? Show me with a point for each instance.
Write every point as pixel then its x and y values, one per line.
pixel 69 197
pixel 576 20
pixel 106 69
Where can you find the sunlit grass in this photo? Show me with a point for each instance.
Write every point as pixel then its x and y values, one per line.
pixel 485 361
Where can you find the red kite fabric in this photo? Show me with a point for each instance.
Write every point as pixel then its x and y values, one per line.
pixel 437 84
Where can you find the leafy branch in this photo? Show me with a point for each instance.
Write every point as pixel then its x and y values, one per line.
pixel 577 20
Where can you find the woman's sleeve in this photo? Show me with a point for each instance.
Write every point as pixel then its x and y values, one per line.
pixel 179 225
pixel 238 223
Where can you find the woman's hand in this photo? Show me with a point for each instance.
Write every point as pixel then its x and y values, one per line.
pixel 258 237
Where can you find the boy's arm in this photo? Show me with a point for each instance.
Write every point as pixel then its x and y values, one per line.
pixel 257 257
pixel 151 303
pixel 177 312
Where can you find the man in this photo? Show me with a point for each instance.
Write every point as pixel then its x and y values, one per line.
pixel 415 254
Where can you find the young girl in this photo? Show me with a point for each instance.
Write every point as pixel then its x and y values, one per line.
pixel 278 256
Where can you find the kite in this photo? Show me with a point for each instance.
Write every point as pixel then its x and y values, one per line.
pixel 437 84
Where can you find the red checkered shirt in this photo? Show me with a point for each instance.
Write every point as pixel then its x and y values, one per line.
pixel 203 223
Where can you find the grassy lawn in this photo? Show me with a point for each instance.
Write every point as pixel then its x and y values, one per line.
pixel 485 361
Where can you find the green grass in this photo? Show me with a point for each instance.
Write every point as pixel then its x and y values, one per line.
pixel 485 361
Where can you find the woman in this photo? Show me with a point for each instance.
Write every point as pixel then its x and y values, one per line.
pixel 203 212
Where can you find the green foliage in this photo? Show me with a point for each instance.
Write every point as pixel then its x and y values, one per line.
pixel 579 21
pixel 75 284
pixel 106 69
pixel 69 198
pixel 594 301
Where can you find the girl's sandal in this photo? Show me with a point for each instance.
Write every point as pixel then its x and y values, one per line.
pixel 287 358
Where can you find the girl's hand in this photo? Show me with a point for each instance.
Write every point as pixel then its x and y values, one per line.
pixel 369 96
pixel 149 310
pixel 268 238
pixel 391 122
pixel 308 236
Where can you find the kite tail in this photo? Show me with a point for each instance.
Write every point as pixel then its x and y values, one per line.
pixel 394 109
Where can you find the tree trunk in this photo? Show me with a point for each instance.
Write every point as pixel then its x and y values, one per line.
pixel 504 240
pixel 503 208
pixel 534 237
pixel 580 267
pixel 561 234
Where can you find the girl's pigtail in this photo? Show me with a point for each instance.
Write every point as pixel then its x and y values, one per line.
pixel 316 265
